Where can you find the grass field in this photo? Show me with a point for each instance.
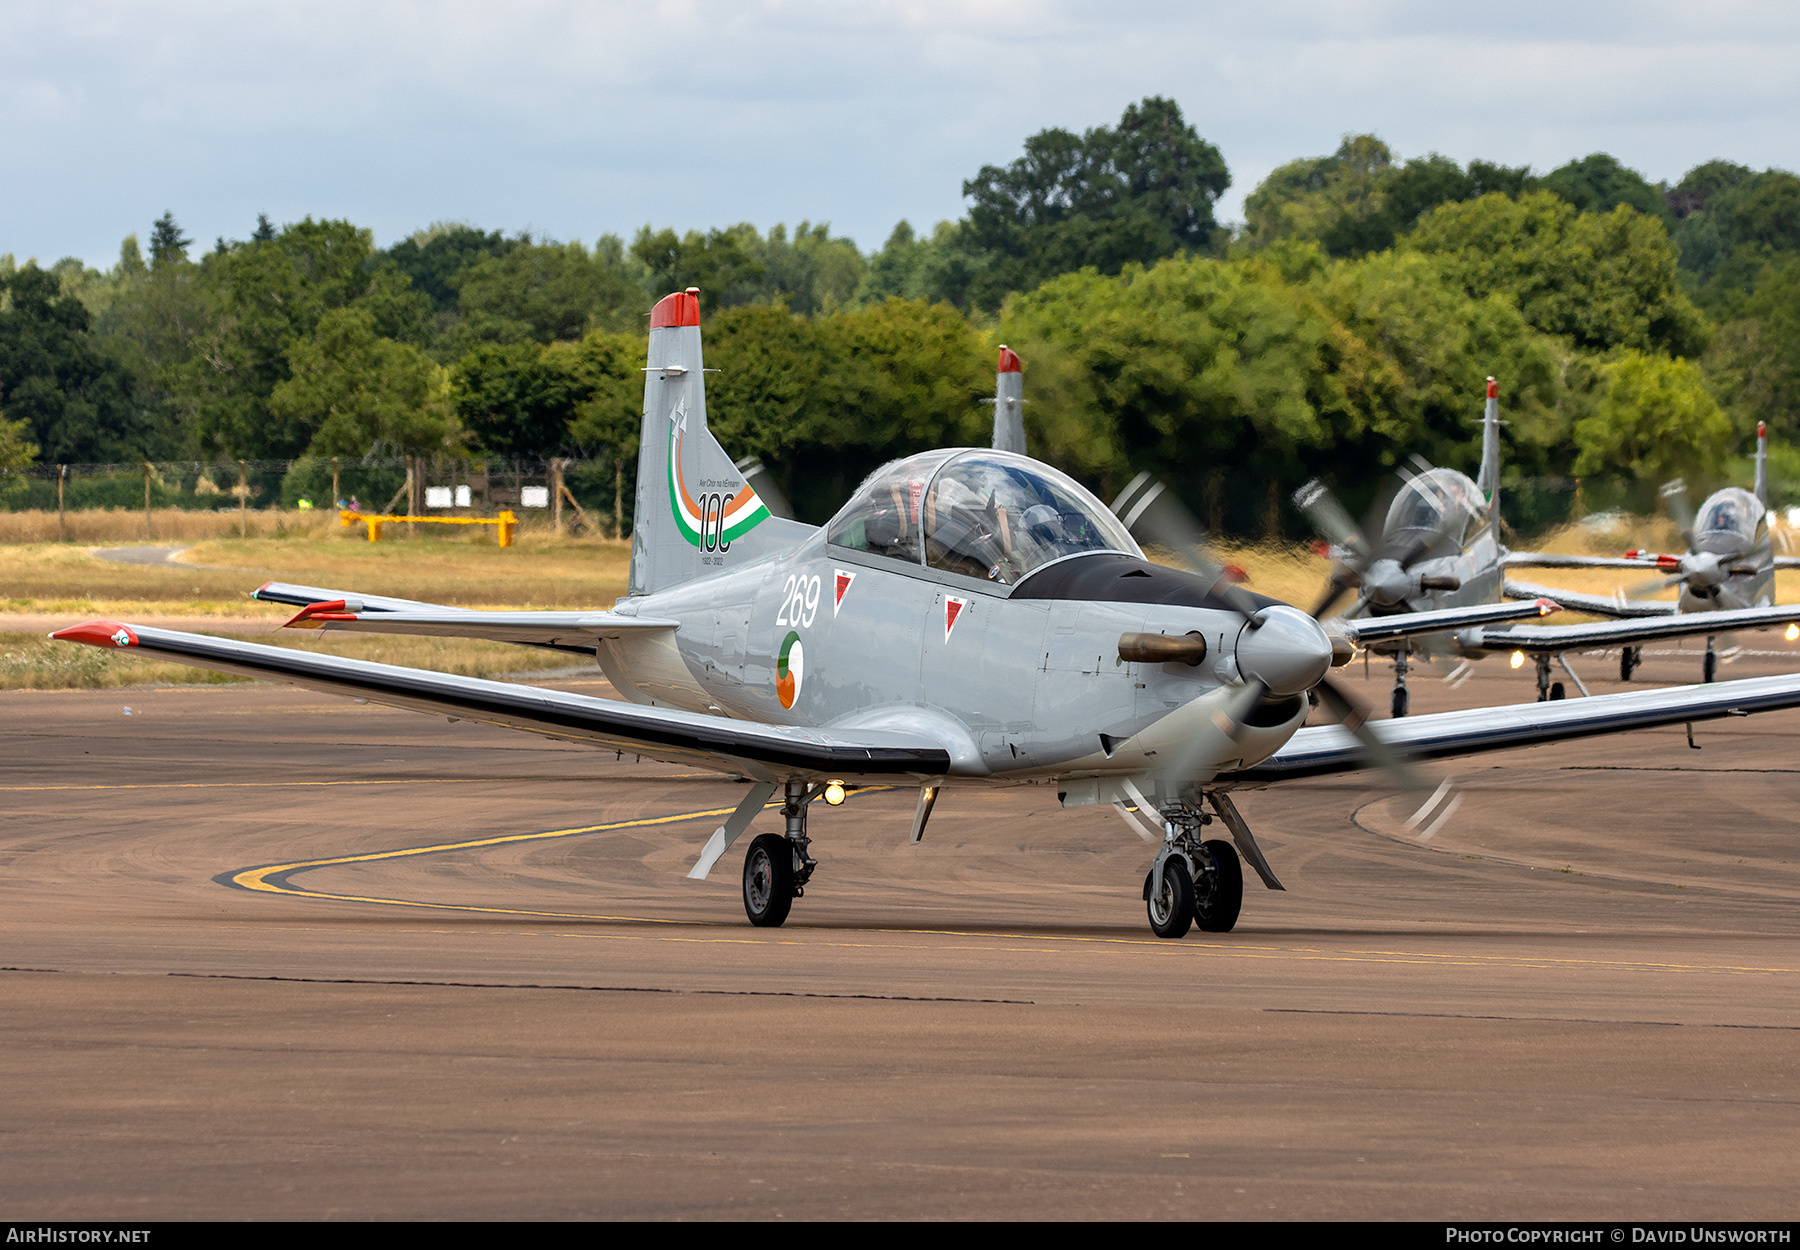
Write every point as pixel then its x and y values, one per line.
pixel 214 576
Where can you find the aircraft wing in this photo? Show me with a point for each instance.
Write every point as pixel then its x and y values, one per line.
pixel 1787 562
pixel 1322 749
pixel 1599 605
pixel 1364 630
pixel 1551 638
pixel 1554 560
pixel 748 748
pixel 577 632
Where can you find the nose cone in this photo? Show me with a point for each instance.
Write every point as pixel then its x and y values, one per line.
pixel 1285 649
pixel 1387 583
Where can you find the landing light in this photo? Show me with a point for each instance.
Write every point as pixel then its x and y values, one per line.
pixel 1793 632
pixel 834 793
pixel 1518 659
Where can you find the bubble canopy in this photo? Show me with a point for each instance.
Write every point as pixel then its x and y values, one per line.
pixel 991 515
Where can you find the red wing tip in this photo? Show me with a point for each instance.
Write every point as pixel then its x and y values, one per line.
pixel 1493 389
pixel 1546 606
pixel 1009 361
pixel 327 610
pixel 99 634
pixel 679 309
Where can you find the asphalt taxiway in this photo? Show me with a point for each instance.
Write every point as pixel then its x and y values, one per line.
pixel 239 984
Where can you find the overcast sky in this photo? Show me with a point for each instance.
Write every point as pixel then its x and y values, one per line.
pixel 575 119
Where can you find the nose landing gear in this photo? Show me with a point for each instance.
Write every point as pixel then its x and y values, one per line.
pixel 777 868
pixel 1192 881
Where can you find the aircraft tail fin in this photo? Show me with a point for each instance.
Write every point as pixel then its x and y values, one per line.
pixel 1487 479
pixel 1762 465
pixel 1009 403
pixel 696 514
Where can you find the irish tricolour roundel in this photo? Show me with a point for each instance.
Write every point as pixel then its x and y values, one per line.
pixel 790 670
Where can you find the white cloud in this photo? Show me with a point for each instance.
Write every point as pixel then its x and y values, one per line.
pixel 578 118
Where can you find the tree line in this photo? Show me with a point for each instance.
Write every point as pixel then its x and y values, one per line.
pixel 1639 330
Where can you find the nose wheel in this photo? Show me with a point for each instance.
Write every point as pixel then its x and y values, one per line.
pixel 777 868
pixel 1193 882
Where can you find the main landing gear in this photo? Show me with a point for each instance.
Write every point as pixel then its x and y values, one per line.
pixel 1192 881
pixel 1401 700
pixel 1630 658
pixel 777 868
pixel 1709 667
pixel 1547 689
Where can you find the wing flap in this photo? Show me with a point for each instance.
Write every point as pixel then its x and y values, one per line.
pixel 767 752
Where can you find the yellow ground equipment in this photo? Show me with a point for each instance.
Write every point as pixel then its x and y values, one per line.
pixel 505 523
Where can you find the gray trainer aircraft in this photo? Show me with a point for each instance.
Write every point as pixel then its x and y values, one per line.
pixel 1728 569
pixel 1438 554
pixel 970 617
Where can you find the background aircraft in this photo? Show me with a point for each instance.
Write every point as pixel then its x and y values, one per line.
pixel 971 616
pixel 1438 551
pixel 1729 565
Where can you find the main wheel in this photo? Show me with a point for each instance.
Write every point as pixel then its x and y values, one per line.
pixel 1557 691
pixel 1401 700
pixel 1709 667
pixel 1220 895
pixel 1172 909
pixel 768 880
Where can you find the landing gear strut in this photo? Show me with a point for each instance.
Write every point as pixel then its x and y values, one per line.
pixel 1630 658
pixel 1546 690
pixel 1192 881
pixel 1401 698
pixel 1709 667
pixel 777 868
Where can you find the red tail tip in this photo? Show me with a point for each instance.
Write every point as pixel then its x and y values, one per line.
pixel 1493 389
pixel 1762 431
pixel 1009 361
pixel 98 634
pixel 680 309
pixel 1546 606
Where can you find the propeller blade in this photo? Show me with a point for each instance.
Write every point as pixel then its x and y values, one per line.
pixel 1328 517
pixel 1675 500
pixel 1157 518
pixel 1355 718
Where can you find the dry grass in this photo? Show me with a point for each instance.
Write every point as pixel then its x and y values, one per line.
pixel 33 662
pixel 215 577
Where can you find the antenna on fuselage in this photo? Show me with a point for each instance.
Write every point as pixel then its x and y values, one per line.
pixel 1009 402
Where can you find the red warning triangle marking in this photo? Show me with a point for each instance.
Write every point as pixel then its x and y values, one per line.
pixel 844 578
pixel 952 609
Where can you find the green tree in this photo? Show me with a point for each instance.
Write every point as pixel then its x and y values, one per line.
pixel 168 246
pixel 724 264
pixel 1654 418
pixel 16 448
pixel 434 259
pixel 260 298
pixel 1604 280
pixel 352 390
pixel 543 293
pixel 73 398
pixel 1361 198
pixel 1113 196
pixel 1756 359
pixel 1599 184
